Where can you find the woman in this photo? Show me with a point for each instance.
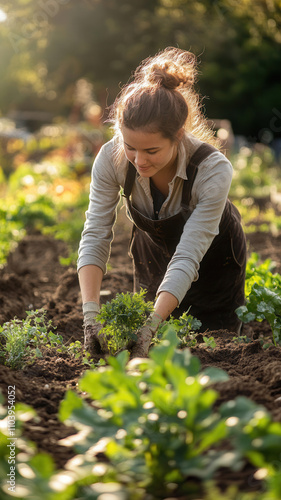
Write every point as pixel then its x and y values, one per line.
pixel 187 244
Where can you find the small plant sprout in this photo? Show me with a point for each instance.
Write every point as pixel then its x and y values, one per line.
pixel 210 342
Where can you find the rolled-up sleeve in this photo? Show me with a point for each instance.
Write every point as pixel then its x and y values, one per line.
pixel 97 234
pixel 209 195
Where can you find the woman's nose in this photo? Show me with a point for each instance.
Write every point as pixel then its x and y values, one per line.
pixel 140 159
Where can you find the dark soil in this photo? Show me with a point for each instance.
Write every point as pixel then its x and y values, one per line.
pixel 33 278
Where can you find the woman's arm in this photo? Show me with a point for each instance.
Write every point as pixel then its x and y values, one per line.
pixel 165 304
pixel 90 278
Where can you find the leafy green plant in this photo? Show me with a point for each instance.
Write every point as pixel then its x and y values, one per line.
pixel 154 421
pixel 122 317
pixel 263 303
pixel 156 414
pixel 261 273
pixel 184 327
pixel 263 295
pixel 23 338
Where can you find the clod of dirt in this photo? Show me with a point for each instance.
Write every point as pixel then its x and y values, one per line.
pixel 252 348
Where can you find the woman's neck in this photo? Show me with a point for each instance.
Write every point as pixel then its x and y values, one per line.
pixel 162 178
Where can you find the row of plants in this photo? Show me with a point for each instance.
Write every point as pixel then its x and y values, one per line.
pixel 22 340
pixel 147 428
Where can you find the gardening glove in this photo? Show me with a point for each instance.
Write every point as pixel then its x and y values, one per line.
pixel 93 342
pixel 145 334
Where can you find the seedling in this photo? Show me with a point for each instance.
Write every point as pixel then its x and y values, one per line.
pixel 210 342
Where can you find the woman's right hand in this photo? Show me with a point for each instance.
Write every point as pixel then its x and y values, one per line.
pixel 94 343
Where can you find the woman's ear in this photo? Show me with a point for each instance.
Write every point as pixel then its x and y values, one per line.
pixel 179 135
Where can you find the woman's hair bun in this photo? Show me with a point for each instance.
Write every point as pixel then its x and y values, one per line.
pixel 171 68
pixel 168 76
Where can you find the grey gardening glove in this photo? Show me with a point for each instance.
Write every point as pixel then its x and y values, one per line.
pixel 93 342
pixel 145 334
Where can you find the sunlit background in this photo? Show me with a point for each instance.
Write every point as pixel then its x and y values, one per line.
pixel 62 63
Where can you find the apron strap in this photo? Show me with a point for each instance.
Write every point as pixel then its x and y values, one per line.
pixel 191 171
pixel 129 181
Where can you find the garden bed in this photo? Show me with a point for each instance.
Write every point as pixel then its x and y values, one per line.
pixel 33 278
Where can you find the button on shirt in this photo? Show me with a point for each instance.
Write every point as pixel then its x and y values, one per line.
pixel 208 198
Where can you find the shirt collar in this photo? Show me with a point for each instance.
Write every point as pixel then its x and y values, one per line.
pixel 182 161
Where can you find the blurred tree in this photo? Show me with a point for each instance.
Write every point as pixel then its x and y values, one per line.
pixel 243 72
pixel 47 45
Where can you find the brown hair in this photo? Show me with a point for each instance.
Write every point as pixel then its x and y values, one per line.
pixel 161 98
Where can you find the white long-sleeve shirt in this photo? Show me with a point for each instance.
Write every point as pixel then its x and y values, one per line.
pixel 208 198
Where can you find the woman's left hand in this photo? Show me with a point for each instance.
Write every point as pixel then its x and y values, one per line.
pixel 145 333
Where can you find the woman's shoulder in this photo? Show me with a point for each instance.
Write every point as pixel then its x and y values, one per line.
pixel 107 149
pixel 110 163
pixel 193 143
pixel 113 150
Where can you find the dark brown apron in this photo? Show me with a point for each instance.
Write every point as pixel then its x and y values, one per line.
pixel 219 289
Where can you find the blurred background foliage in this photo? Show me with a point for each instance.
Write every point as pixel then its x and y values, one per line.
pixel 62 63
pixel 46 46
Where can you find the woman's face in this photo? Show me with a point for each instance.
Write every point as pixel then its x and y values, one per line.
pixel 149 152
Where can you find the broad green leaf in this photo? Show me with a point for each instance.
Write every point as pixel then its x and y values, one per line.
pixel 241 407
pixel 70 402
pixel 120 361
pixel 185 359
pixel 43 464
pixel 165 350
pixel 214 374
pixel 213 436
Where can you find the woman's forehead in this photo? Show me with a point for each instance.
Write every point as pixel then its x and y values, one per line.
pixel 143 139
